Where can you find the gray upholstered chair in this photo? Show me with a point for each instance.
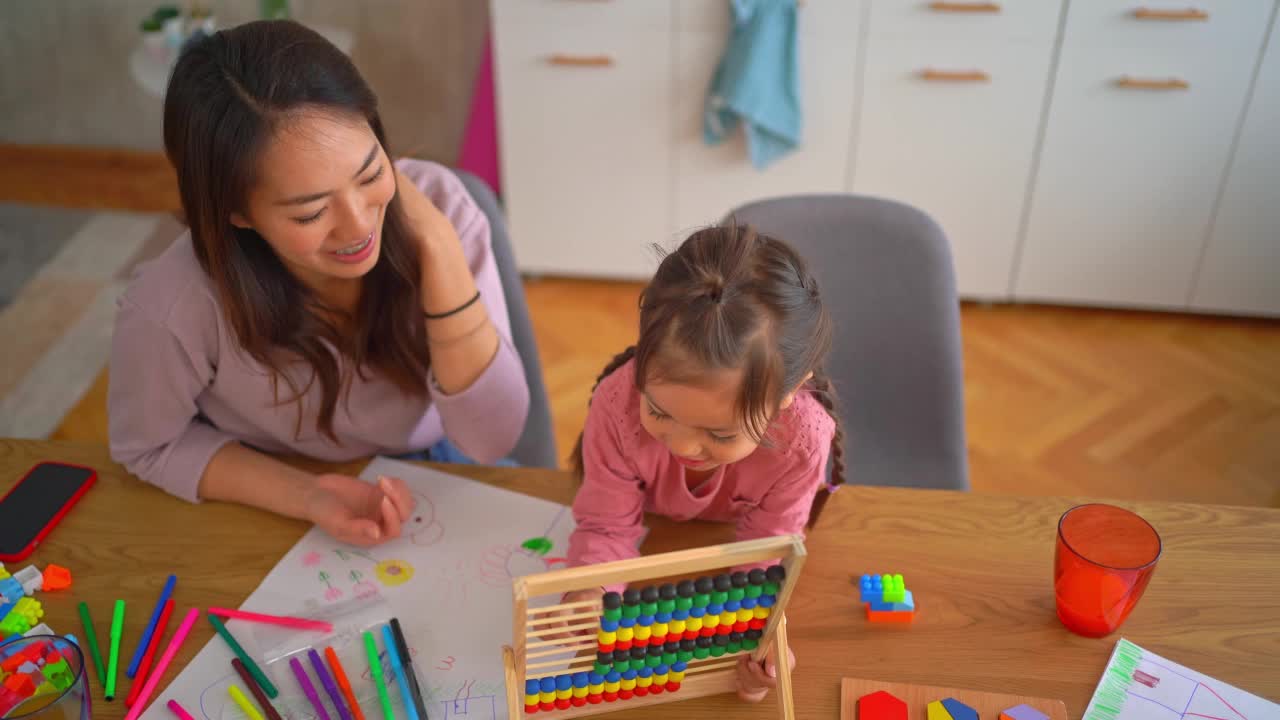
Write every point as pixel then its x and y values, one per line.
pixel 886 274
pixel 537 444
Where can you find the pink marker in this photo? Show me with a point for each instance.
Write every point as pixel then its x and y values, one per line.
pixel 282 620
pixel 178 710
pixel 175 643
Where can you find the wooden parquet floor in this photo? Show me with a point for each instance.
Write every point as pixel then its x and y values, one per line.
pixel 1059 401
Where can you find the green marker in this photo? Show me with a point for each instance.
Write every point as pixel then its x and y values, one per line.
pixel 249 664
pixel 117 628
pixel 93 644
pixel 375 669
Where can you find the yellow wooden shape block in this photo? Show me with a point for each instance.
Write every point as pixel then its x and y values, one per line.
pixel 937 711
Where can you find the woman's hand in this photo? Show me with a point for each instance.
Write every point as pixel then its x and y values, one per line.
pixel 427 224
pixel 356 512
pixel 755 680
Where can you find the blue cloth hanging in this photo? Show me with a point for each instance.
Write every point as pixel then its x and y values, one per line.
pixel 756 82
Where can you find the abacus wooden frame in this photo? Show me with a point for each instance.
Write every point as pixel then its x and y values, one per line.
pixel 717 675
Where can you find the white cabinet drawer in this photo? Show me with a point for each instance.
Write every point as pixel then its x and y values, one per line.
pixel 712 180
pixel 972 20
pixel 1240 271
pixel 1128 176
pixel 585 148
pixel 960 149
pixel 574 16
pixel 840 17
pixel 1208 25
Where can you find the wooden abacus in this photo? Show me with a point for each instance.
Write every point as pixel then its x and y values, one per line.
pixel 570 682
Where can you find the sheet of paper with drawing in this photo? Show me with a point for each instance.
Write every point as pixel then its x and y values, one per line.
pixel 448 580
pixel 1140 685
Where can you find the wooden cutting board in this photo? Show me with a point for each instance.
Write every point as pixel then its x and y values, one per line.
pixel 989 705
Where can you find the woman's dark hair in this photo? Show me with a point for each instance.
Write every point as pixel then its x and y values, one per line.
pixel 731 298
pixel 229 95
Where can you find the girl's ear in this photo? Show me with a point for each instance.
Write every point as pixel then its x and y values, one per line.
pixel 791 396
pixel 242 222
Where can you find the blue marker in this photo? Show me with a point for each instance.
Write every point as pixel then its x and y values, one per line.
pixel 151 626
pixel 389 640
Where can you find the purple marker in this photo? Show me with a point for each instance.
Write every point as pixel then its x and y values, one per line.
pixel 329 685
pixel 301 673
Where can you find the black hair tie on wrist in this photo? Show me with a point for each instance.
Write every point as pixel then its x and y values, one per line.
pixel 455 311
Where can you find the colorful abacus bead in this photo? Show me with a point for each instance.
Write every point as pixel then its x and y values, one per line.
pixel 709 625
pixel 677 674
pixel 626 633
pixel 722 586
pixel 564 691
pixel 548 695
pixel 595 688
pixel 608 640
pixel 612 603
pixel 659 636
pixel 649 601
pixel 751 639
pixel 719 645
pixel 612 683
pixel 644 679
pixel 702 592
pixel 703 651
pixel 667 598
pixel 631 603
pixel 735 642
pixel 685 591
pixel 642 635
pixel 532 696
pixel 580 688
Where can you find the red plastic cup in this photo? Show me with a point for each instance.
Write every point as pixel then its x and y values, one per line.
pixel 1105 557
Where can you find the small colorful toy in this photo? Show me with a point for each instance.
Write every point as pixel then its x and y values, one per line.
pixel 887 599
pixel 957 710
pixel 30 578
pixel 881 705
pixel 56 577
pixel 11 590
pixel 653 643
pixel 3 573
pixel 1023 712
pixel 19 617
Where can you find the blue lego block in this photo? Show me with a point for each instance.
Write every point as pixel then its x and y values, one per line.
pixel 872 588
pixel 5 608
pixel 11 590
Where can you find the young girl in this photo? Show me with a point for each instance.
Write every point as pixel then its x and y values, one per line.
pixel 721 411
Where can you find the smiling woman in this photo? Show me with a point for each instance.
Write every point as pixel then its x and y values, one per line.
pixel 328 301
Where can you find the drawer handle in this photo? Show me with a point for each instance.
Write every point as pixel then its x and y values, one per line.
pixel 1188 14
pixel 972 76
pixel 964 7
pixel 593 61
pixel 1148 84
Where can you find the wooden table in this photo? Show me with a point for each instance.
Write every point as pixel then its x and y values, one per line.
pixel 980 567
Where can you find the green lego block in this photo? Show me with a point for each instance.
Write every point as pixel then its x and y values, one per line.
pixel 895 590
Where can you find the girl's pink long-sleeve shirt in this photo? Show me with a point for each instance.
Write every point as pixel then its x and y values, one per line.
pixel 629 472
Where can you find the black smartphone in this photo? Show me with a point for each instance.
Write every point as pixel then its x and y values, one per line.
pixel 31 509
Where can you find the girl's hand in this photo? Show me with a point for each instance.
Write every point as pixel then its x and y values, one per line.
pixel 570 635
pixel 754 680
pixel 356 512
pixel 426 223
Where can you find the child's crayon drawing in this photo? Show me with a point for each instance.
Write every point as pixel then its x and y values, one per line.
pixel 448 580
pixel 1140 685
